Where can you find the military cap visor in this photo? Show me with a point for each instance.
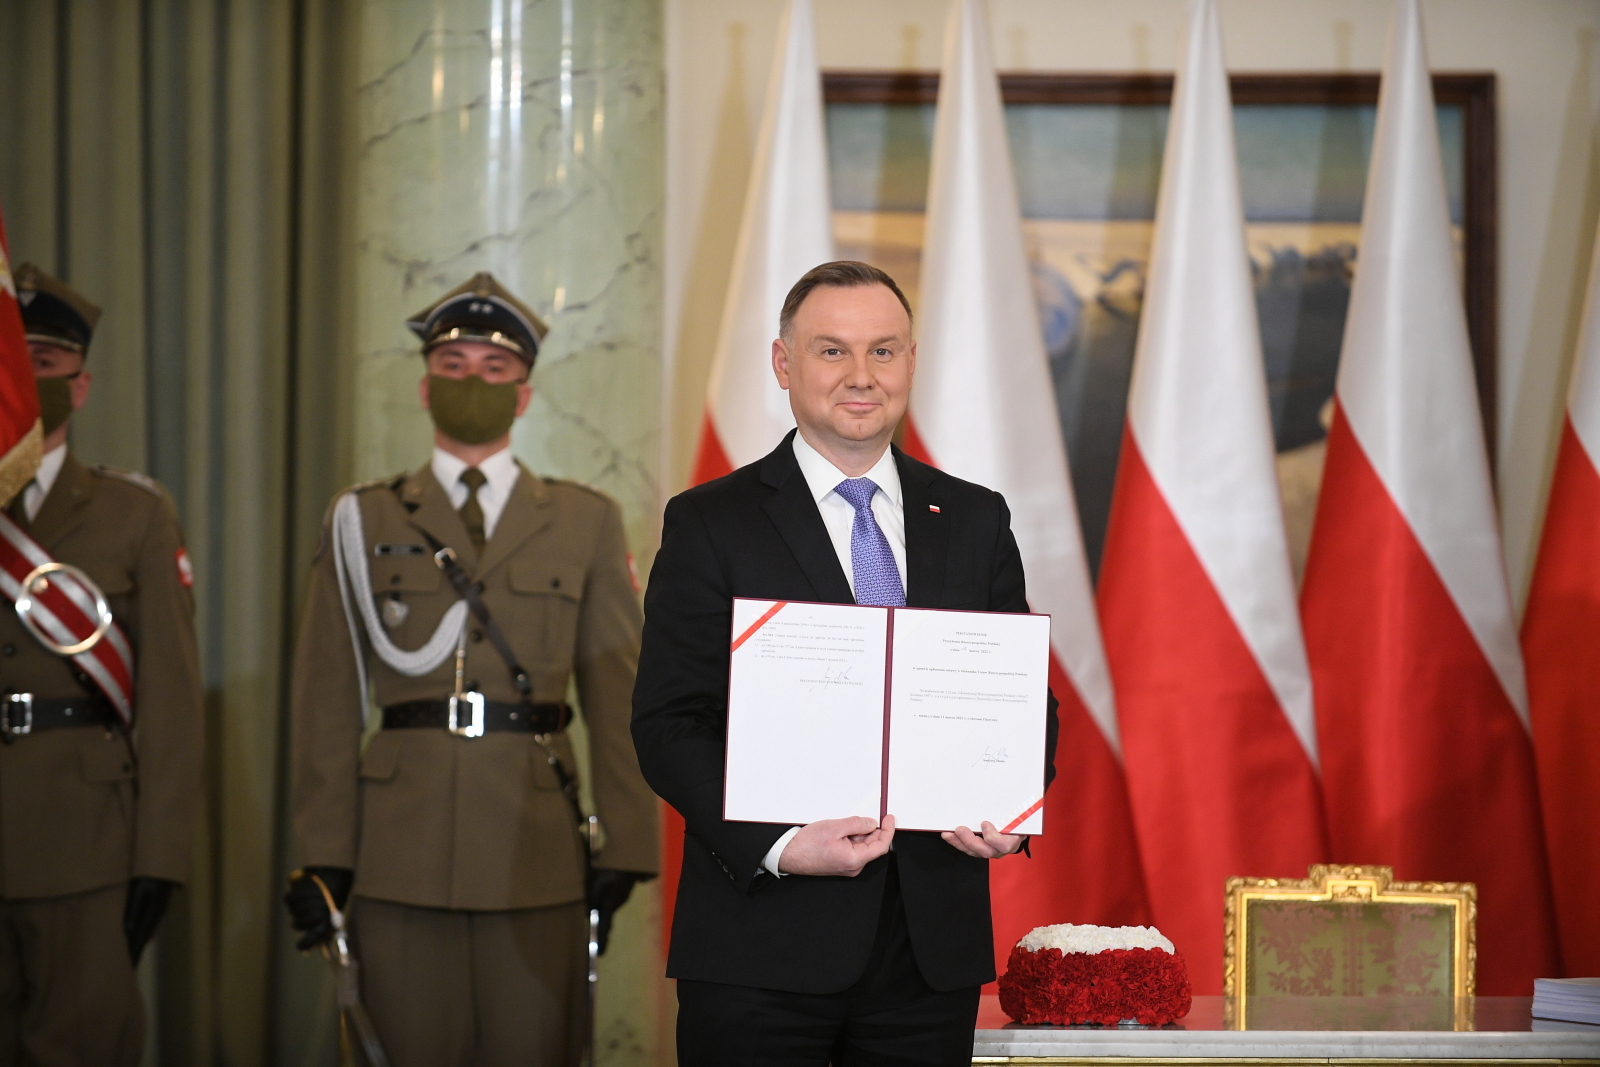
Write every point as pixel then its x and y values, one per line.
pixel 52 311
pixel 481 310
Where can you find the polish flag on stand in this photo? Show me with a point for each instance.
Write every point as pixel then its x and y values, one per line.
pixel 1422 709
pixel 786 229
pixel 983 409
pixel 1196 591
pixel 1561 642
pixel 21 436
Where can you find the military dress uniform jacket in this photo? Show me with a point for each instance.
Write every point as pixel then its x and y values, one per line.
pixel 76 812
pixel 431 819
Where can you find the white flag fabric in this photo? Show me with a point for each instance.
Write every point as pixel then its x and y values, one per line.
pixel 982 400
pixel 1196 592
pixel 1422 708
pixel 785 231
pixel 983 409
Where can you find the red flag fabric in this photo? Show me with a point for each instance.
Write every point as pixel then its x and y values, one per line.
pixel 1421 699
pixel 20 434
pixel 1561 644
pixel 1196 591
pixel 983 408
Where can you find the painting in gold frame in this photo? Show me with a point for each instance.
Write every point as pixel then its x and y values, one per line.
pixel 1086 151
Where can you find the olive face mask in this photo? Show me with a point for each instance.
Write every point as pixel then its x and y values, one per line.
pixel 55 401
pixel 471 410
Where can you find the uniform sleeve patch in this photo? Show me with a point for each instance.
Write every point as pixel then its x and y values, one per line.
pixel 185 569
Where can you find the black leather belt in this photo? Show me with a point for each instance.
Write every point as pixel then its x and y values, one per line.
pixel 475 716
pixel 23 713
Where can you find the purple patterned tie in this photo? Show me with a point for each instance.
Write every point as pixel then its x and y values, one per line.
pixel 877 577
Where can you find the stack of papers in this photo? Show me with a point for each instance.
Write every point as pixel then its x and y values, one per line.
pixel 1576 1000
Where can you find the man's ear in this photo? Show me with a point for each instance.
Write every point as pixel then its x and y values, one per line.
pixel 780 361
pixel 524 396
pixel 80 389
pixel 422 392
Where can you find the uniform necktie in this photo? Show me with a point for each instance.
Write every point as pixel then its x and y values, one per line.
pixel 472 512
pixel 17 510
pixel 877 577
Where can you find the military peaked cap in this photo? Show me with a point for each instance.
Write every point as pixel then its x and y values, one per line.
pixel 481 310
pixel 53 311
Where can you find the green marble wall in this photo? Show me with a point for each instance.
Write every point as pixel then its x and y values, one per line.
pixel 526 139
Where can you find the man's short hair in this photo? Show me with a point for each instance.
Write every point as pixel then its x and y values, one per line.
pixel 840 274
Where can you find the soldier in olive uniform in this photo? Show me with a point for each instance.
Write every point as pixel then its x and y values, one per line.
pixel 96 819
pixel 452 827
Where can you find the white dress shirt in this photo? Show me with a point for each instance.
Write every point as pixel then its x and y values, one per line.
pixel 501 471
pixel 839 515
pixel 49 468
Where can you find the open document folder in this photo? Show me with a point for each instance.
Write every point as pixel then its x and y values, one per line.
pixel 934 717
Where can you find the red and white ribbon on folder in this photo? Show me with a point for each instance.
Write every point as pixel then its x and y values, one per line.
pixel 64 609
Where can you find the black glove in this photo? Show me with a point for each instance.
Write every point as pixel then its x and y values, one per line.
pixel 147 902
pixel 308 908
pixel 608 891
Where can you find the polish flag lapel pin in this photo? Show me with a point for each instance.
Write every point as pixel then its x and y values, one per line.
pixel 934 508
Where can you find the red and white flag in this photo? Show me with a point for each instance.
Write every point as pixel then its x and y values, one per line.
pixel 787 229
pixel 1561 643
pixel 21 436
pixel 1196 590
pixel 983 409
pixel 1422 708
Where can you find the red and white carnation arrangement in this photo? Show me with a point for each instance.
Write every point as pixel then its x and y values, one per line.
pixel 1069 975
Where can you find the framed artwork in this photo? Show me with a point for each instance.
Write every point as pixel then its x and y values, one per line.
pixel 1087 150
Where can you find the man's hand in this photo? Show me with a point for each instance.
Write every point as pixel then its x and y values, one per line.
pixel 142 912
pixel 607 891
pixel 308 908
pixel 836 846
pixel 991 846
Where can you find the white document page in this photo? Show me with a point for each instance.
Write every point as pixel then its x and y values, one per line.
pixel 967 720
pixel 805 711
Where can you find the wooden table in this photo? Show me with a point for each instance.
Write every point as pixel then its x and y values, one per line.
pixel 1332 1030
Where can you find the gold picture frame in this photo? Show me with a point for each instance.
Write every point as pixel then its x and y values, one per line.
pixel 1346 885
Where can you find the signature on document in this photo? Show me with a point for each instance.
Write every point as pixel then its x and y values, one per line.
pixel 992 754
pixel 830 676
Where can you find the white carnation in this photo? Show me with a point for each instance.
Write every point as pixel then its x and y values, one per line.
pixel 1090 939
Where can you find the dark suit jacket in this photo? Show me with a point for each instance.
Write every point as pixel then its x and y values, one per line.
pixel 758 533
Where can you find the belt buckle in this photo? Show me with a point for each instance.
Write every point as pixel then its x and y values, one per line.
pixel 474 728
pixel 12 701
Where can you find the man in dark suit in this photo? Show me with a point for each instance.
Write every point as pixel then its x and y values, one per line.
pixel 838 941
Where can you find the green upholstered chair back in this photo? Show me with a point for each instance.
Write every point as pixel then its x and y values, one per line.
pixel 1348 932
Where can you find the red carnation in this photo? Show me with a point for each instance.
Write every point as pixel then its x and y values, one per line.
pixel 1067 989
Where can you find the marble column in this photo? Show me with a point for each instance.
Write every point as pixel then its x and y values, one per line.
pixel 525 137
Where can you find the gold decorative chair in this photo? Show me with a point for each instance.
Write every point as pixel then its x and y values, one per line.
pixel 1397 955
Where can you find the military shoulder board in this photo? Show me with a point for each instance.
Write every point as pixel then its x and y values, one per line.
pixel 391 482
pixel 143 481
pixel 576 483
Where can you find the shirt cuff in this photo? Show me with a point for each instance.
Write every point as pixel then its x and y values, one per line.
pixel 776 852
